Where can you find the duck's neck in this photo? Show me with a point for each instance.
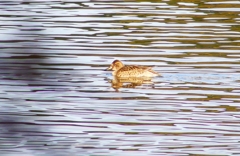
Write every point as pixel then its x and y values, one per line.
pixel 114 72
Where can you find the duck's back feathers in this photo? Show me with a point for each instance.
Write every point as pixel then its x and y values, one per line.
pixel 136 71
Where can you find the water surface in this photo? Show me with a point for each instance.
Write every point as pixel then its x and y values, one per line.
pixel 57 100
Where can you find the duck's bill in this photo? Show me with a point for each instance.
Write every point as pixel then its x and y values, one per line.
pixel 108 69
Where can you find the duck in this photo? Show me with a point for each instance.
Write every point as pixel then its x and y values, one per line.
pixel 124 71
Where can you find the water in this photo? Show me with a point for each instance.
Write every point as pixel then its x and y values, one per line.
pixel 57 100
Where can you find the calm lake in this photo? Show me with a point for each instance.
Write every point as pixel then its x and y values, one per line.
pixel 57 100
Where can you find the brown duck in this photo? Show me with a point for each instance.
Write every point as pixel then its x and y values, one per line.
pixel 120 70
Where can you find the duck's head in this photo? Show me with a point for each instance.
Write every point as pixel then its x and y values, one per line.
pixel 116 65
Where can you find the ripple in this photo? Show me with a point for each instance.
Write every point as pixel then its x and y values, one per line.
pixel 57 100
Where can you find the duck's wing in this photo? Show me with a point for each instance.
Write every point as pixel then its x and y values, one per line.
pixel 147 68
pixel 134 71
pixel 134 68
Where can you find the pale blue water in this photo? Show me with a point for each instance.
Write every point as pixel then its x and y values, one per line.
pixel 56 100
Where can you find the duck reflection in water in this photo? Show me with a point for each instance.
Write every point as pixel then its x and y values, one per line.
pixel 134 75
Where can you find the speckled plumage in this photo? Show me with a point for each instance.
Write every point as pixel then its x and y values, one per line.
pixel 120 70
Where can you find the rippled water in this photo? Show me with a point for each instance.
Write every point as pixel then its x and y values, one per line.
pixel 57 100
